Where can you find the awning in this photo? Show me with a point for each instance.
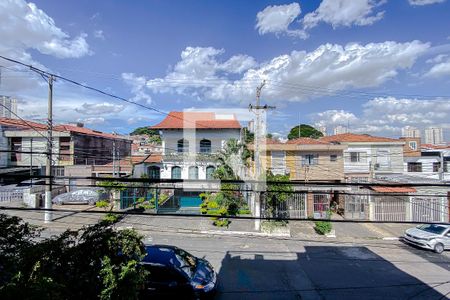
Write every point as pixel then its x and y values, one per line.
pixel 392 189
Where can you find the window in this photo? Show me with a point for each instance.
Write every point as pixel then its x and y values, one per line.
pixel 210 172
pixel 193 172
pixel 355 157
pixel 205 146
pixel 16 145
pixel 446 166
pixel 310 159
pixel 58 171
pixel 414 167
pixel 333 157
pixel 278 162
pixel 154 172
pixel 436 166
pixel 413 145
pixel 183 146
pixel 64 148
pixel 176 172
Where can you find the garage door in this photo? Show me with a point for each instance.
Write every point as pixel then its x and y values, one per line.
pixel 390 208
pixel 427 209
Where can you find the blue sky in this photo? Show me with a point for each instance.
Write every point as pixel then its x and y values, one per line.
pixel 375 65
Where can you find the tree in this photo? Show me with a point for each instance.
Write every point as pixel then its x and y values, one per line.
pixel 144 131
pixel 153 134
pixel 277 193
pixel 305 131
pixel 95 262
pixel 248 136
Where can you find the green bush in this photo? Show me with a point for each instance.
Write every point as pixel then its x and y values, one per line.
pixel 221 222
pixel 244 211
pixel 111 218
pixel 322 227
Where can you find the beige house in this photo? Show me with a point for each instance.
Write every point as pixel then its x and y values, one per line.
pixel 305 159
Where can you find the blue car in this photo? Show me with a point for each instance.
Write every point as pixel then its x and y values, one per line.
pixel 176 273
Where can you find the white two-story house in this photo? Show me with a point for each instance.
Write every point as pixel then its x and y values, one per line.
pixel 190 142
pixel 367 156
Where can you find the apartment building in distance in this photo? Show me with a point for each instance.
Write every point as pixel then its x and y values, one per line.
pixel 410 132
pixel 8 107
pixel 434 136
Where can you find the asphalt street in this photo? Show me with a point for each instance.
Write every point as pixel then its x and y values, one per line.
pixel 283 268
pixel 298 267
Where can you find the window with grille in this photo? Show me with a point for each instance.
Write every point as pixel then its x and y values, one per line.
pixel 310 159
pixel 414 167
pixel 176 172
pixel 205 146
pixel 193 172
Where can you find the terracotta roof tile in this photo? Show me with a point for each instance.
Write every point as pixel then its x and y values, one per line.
pixel 21 124
pixel 152 158
pixel 307 141
pixel 87 131
pixel 391 189
pixel 199 120
pixel 352 137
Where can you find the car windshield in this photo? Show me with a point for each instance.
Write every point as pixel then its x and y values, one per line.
pixel 188 263
pixel 432 228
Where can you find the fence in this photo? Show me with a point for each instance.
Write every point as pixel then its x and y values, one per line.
pixel 287 205
pixel 11 195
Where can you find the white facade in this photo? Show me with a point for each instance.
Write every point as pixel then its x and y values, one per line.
pixel 194 157
pixel 8 107
pixel 434 136
pixel 376 157
pixel 409 131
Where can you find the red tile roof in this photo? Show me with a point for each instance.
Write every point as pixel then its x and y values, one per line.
pixel 199 120
pixel 20 124
pixel 152 158
pixel 437 147
pixel 307 141
pixel 391 189
pixel 352 137
pixel 86 131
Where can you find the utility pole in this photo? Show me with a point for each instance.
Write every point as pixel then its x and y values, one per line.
pixel 48 165
pixel 31 161
pixel 114 158
pixel 259 134
pixel 441 167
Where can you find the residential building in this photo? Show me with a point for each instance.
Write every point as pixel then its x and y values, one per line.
pixel 409 131
pixel 8 107
pixel 190 143
pixel 434 136
pixel 340 130
pixel 309 160
pixel 368 155
pixel 433 162
pixel 72 145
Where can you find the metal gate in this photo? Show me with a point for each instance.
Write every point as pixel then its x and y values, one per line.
pixel 356 207
pixel 321 205
pixel 390 208
pixel 427 209
pixel 297 206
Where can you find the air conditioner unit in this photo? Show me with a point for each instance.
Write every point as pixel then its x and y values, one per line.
pixel 376 166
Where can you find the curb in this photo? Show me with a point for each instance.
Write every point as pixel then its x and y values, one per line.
pixel 246 233
pixel 391 238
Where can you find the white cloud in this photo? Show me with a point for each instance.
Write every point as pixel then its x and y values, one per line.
pixel 99 34
pixel 386 116
pixel 92 120
pixel 238 64
pixel 339 13
pixel 137 84
pixel 99 108
pixel 296 76
pixel 424 2
pixel 23 26
pixel 276 19
pixel 441 68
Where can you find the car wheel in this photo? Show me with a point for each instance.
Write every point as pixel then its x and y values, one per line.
pixel 439 248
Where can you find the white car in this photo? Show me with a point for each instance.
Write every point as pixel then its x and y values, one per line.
pixel 435 237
